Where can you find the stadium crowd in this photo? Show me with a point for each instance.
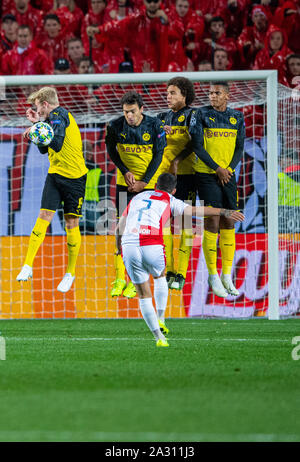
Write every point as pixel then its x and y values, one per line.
pixel 99 36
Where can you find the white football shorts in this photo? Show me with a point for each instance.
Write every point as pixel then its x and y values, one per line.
pixel 141 261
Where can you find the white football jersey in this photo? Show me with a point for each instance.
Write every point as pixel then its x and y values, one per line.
pixel 147 213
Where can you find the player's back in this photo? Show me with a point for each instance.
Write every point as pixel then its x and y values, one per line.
pixel 147 213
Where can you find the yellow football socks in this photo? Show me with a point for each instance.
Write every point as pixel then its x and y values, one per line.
pixel 119 267
pixel 185 248
pixel 227 246
pixel 209 246
pixel 73 243
pixel 36 238
pixel 168 241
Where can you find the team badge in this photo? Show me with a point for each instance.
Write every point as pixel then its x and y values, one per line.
pixel 181 118
pixel 146 137
pixel 232 120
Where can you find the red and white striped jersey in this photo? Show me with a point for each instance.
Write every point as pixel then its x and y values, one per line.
pixel 147 213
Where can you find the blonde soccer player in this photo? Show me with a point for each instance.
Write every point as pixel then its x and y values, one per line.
pixel 65 181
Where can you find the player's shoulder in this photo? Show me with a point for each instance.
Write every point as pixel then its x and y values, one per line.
pixel 236 113
pixel 59 113
pixel 117 123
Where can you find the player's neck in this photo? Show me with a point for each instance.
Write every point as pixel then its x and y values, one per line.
pixel 221 108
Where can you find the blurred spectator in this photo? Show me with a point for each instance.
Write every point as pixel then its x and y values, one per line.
pixel 8 35
pixel 204 66
pixel 69 14
pixel 273 55
pixel 120 9
pixel 207 9
pixel 253 37
pixel 44 5
pixel 153 42
pixel 292 69
pixel 26 15
pixel 220 60
pixel 75 52
pixel 181 15
pixel 85 66
pixel 234 16
pixel 25 58
pixel 53 39
pixel 96 16
pixel 287 17
pixel 62 66
pixel 214 39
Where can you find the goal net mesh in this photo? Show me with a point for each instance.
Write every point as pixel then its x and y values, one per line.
pixel 23 171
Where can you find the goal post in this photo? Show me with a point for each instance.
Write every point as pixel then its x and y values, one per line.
pixel 256 90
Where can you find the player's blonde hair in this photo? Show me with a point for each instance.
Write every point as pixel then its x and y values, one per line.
pixel 48 94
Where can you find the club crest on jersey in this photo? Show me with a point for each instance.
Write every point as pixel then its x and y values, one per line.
pixel 181 118
pixel 233 120
pixel 146 137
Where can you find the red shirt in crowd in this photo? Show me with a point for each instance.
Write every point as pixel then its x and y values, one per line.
pixel 287 17
pixel 33 61
pixel 266 59
pixel 32 18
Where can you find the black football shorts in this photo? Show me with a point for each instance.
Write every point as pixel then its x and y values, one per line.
pixel 58 189
pixel 214 194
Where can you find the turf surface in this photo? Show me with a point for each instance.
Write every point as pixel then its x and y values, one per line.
pixel 105 380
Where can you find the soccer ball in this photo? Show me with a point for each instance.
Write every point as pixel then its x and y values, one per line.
pixel 41 134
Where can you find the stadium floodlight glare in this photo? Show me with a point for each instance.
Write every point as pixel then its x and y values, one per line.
pixel 270 106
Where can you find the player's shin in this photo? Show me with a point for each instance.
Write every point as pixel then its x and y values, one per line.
pixel 161 293
pixel 150 317
pixel 168 241
pixel 36 238
pixel 119 267
pixel 73 243
pixel 210 251
pixel 227 246
pixel 185 248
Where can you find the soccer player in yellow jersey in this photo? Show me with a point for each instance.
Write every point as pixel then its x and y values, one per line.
pixel 223 132
pixel 180 95
pixel 65 181
pixel 135 143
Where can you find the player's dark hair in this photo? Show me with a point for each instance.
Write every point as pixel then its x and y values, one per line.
pixel 166 182
pixel 132 97
pixel 225 85
pixel 185 86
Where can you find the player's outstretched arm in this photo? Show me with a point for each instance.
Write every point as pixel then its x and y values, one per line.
pixel 201 211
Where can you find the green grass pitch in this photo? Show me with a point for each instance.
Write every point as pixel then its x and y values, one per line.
pixel 105 380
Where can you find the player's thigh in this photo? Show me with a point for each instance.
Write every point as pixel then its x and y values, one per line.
pixel 133 261
pixel 51 196
pixel 209 189
pixel 230 194
pixel 185 188
pixel 154 259
pixel 72 192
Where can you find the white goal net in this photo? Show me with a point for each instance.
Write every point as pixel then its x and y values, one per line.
pixel 95 100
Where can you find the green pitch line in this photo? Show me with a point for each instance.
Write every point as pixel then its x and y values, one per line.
pixel 105 380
